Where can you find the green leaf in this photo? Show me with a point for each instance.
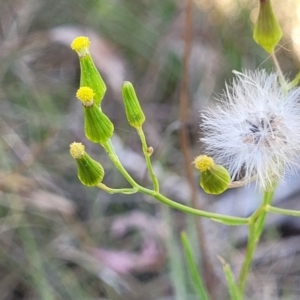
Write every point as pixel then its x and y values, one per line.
pixel 233 288
pixel 192 266
pixel 229 222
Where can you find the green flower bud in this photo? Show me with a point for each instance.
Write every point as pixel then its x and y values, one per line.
pixel 134 113
pixel 214 179
pixel 267 32
pixel 97 126
pixel 89 75
pixel 90 172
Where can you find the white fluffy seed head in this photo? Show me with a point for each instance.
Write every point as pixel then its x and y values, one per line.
pixel 255 128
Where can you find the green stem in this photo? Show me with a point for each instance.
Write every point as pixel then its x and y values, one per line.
pixel 136 187
pixel 117 191
pixel 257 221
pixel 193 211
pixel 109 148
pixel 147 158
pixel 278 68
pixel 282 211
pixel 261 220
pixel 248 259
pixel 295 81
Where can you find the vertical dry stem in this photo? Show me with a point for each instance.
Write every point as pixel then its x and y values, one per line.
pixel 185 142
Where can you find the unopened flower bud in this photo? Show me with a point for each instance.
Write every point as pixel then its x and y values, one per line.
pixel 134 113
pixel 267 32
pixel 97 126
pixel 89 75
pixel 90 172
pixel 214 179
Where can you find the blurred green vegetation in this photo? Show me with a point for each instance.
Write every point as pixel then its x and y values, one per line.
pixel 61 240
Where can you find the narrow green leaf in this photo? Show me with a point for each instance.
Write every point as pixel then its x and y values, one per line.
pixel 192 266
pixel 229 222
pixel 234 291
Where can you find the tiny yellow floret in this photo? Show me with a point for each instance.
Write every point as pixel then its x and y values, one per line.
pixel 203 163
pixel 77 150
pixel 86 95
pixel 81 45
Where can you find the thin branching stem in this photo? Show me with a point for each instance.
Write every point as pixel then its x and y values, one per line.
pixel 279 71
pixel 184 208
pixel 282 211
pixel 147 158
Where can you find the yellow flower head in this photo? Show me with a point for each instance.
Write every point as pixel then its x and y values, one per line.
pixel 81 45
pixel 86 95
pixel 77 150
pixel 89 171
pixel 203 163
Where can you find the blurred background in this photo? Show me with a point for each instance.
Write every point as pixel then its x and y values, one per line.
pixel 62 240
